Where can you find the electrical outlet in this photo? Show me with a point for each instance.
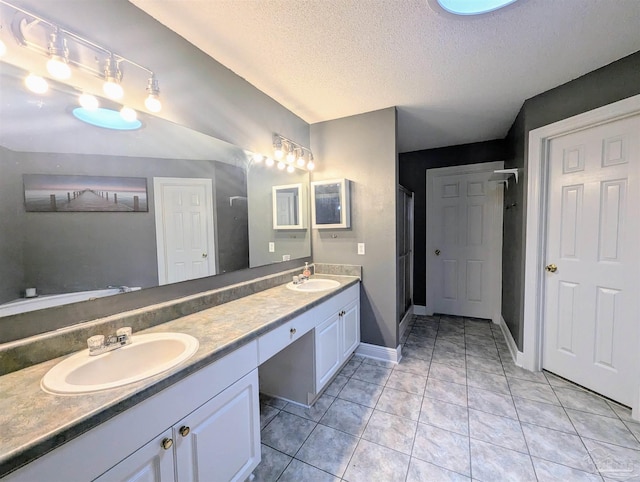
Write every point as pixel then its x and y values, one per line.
pixel 272 247
pixel 286 257
pixel 360 248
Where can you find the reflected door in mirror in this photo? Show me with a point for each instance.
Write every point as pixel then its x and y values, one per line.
pixel 330 204
pixel 289 207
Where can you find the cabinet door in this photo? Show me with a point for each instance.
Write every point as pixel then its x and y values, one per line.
pixel 151 463
pixel 350 329
pixel 220 441
pixel 328 350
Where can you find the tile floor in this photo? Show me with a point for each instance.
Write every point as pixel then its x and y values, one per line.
pixel 455 408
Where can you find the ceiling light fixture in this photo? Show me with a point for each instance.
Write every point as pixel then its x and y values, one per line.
pixel 66 49
pixel 296 154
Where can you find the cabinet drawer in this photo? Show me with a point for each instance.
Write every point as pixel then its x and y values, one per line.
pixel 271 343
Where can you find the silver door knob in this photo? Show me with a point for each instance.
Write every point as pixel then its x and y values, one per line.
pixel 437 251
pixel 551 268
pixel 204 255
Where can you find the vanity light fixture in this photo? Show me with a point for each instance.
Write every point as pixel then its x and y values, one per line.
pixel 65 50
pixel 269 161
pixel 297 155
pixel 257 157
pixel 278 153
pixel 88 101
pixel 281 165
pixel 128 114
pixel 36 84
pixel 291 156
pixel 301 160
pixel 290 168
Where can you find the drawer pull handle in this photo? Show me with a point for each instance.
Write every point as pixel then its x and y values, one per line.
pixel 166 443
pixel 184 430
pixel 292 331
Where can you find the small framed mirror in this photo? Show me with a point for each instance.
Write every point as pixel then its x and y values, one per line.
pixel 289 207
pixel 330 204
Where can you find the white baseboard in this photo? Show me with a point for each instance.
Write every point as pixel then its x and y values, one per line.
pixel 518 356
pixel 420 310
pixel 383 353
pixel 405 322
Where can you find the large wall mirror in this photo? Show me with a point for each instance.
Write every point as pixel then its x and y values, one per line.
pixel 46 151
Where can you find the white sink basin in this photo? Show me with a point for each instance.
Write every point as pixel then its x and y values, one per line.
pixel 146 356
pixel 314 285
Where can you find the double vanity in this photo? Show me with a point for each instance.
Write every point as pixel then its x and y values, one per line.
pixel 199 420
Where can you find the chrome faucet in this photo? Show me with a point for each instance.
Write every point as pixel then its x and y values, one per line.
pixel 99 344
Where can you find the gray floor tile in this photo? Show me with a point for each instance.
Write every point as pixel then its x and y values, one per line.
pixel 602 428
pixel 360 392
pixel 490 463
pixel 538 392
pixel 401 403
pixel 267 413
pixel 420 341
pixel 287 432
pixel 552 472
pixel 485 365
pixel 623 412
pixel 483 351
pixel 491 402
pixel 378 363
pixel 350 367
pixel 421 471
pixel 272 401
pixel 556 381
pixel 407 381
pixel 447 392
pixel 501 431
pixel 328 449
pixel 613 461
pixel 445 415
pixel 413 365
pixel 450 346
pixel 298 471
pixel 374 462
pixel 415 351
pixel 315 412
pixel 635 428
pixel 336 385
pixel 372 374
pixel 487 381
pixel 584 401
pixel 390 431
pixel 442 448
pixel 543 414
pixel 513 371
pixel 559 447
pixel 448 359
pixel 448 373
pixel 271 466
pixel 347 416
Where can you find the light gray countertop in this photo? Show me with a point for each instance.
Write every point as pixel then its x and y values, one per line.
pixel 34 422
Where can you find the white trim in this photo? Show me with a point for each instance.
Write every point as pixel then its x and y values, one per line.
pixel 377 352
pixel 419 310
pixel 495 274
pixel 405 322
pixel 536 198
pixel 511 343
pixel 158 201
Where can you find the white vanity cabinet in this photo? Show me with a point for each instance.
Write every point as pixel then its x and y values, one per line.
pixel 218 441
pixel 301 370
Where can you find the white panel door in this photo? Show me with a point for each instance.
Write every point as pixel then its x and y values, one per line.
pixel 185 234
pixel 591 314
pixel 463 248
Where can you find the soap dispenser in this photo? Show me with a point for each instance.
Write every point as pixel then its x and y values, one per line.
pixel 306 273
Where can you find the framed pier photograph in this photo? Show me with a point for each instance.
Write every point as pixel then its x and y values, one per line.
pixel 56 193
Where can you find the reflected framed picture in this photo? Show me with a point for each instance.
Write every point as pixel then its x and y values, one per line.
pixel 59 193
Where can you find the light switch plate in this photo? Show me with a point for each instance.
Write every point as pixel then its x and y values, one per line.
pixel 272 247
pixel 360 248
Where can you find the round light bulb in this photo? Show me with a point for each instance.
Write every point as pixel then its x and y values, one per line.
pixel 311 166
pixel 113 90
pixel 36 84
pixel 301 161
pixel 88 101
pixel 281 165
pixel 290 168
pixel 153 103
pixel 58 68
pixel 291 157
pixel 257 157
pixel 278 153
pixel 268 161
pixel 128 114
pixel 3 48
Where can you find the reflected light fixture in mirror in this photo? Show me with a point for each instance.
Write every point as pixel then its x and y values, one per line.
pixel 112 78
pixel 58 63
pixel 36 84
pixel 152 102
pixel 128 114
pixel 88 101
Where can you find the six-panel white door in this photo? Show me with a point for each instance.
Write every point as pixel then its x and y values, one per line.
pixel 464 229
pixel 184 217
pixel 591 314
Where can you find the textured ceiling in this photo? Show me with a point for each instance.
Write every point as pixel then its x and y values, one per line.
pixel 454 79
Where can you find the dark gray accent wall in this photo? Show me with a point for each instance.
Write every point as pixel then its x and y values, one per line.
pixel 11 271
pixel 616 81
pixel 362 148
pixel 413 176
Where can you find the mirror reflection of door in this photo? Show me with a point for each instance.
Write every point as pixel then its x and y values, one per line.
pixel 327 204
pixel 287 207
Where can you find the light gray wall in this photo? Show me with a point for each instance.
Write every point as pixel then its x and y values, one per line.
pixel 362 148
pixel 11 271
pixel 296 243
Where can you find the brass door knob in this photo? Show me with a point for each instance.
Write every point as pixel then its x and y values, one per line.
pixel 551 268
pixel 204 255
pixel 437 251
pixel 184 430
pixel 166 443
